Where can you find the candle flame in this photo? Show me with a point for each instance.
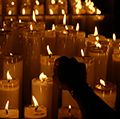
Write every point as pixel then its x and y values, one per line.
pixel 59 1
pixel 63 11
pixel 78 6
pixel 11 19
pixel 11 54
pixel 6 106
pixel 36 12
pixel 53 2
pixel 35 103
pixel 114 37
pixel 102 82
pixel 96 31
pixel 34 16
pixel 9 76
pixel 98 45
pixel 51 12
pixel 12 3
pixel 23 11
pixel 69 107
pixel 64 19
pixel 9 12
pixel 97 38
pixel 82 53
pixel 98 11
pixel 77 27
pixel 20 21
pixel 66 27
pixel 48 50
pixel 31 27
pixel 43 77
pixel 53 27
pixel 37 2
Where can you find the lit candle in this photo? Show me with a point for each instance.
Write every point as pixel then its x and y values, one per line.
pixel 89 62
pixel 9 113
pixel 53 6
pixel 107 92
pixel 42 89
pixel 100 54
pixel 80 39
pixel 47 62
pixel 13 63
pixel 35 111
pixel 38 7
pixel 69 112
pixel 9 90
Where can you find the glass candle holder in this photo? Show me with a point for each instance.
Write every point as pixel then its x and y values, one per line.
pixel 39 7
pixel 11 7
pixel 107 92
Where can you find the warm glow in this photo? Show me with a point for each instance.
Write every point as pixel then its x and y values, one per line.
pixel 53 27
pixel 98 45
pixel 48 50
pixel 20 21
pixel 77 27
pixel 37 2
pixel 36 12
pixel 11 54
pixel 82 53
pixel 9 12
pixel 78 6
pixel 23 11
pixel 96 31
pixel 34 16
pixel 51 12
pixel 11 19
pixel 69 107
pixel 42 77
pixel 53 1
pixel 60 1
pixel 98 11
pixel 97 38
pixel 35 103
pixel 63 11
pixel 9 76
pixel 6 106
pixel 114 37
pixel 31 27
pixel 66 27
pixel 64 19
pixel 12 3
pixel 102 82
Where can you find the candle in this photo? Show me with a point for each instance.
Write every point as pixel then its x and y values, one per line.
pixel 69 112
pixel 35 111
pixel 14 64
pixel 89 62
pixel 38 7
pixel 47 62
pixel 8 113
pixel 9 90
pixel 107 92
pixel 100 55
pixel 42 89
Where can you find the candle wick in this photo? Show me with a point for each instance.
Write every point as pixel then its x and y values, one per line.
pixel 8 81
pixel 36 108
pixel 50 55
pixel 6 110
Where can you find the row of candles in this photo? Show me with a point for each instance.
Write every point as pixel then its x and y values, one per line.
pixel 93 51
pixel 52 7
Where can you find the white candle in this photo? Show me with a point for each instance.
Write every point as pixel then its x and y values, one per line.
pixel 12 113
pixel 69 112
pixel 89 62
pixel 107 92
pixel 31 113
pixel 9 90
pixel 8 113
pixel 14 64
pixel 101 58
pixel 42 89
